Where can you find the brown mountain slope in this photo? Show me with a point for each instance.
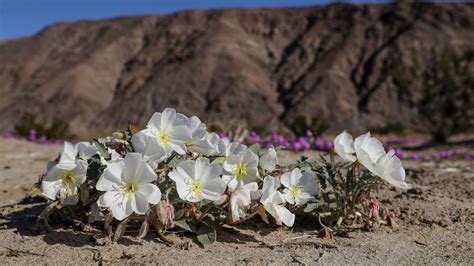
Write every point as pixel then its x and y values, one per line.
pixel 260 66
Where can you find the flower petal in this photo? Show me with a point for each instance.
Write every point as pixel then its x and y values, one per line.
pixel 151 192
pixel 309 183
pixel 394 173
pixel 168 117
pixel 155 121
pixel 285 215
pixel 144 173
pixel 108 181
pixel 132 161
pixel 268 160
pixel 110 198
pixel 285 179
pixel 53 174
pixel 139 203
pixel 49 189
pixel 68 156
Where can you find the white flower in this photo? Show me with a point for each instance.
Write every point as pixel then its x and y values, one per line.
pixel 153 153
pixel 85 150
pixel 272 201
pixel 64 178
pixel 68 156
pixel 371 154
pixel 369 150
pixel 344 146
pixel 268 160
pixel 240 198
pixel 200 142
pixel 243 167
pixel 299 187
pixel 198 180
pixel 223 147
pixel 233 148
pixel 392 171
pixel 218 145
pixel 128 187
pixel 169 130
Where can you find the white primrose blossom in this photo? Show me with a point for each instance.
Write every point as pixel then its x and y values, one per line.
pixel 198 180
pixel 344 146
pixel 85 150
pixel 243 167
pixel 371 154
pixel 153 153
pixel 273 201
pixel 64 178
pixel 128 188
pixel 299 187
pixel 200 142
pixel 218 145
pixel 169 130
pixel 240 198
pixel 268 160
pixel 233 148
pixel 223 146
pixel 393 171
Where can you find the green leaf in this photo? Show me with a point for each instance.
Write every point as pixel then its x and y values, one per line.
pixel 206 234
pixel 12 253
pixel 185 225
pixel 95 167
pixel 102 149
pixel 128 134
pixel 313 206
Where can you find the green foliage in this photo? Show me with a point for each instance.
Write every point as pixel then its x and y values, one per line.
pixel 303 123
pixel 391 127
pixel 102 149
pixel 343 189
pixel 27 122
pixel 57 129
pixel 446 98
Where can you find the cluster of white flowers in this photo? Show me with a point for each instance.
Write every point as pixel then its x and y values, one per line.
pixel 207 169
pixel 369 152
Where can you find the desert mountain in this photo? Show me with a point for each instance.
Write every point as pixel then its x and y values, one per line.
pixel 262 67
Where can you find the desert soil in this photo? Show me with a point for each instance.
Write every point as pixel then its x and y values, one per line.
pixel 435 225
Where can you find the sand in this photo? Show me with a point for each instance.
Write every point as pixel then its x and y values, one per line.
pixel 434 225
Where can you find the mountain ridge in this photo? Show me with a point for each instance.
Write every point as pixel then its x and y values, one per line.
pixel 258 67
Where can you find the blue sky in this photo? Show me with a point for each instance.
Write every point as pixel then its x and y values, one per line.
pixel 26 17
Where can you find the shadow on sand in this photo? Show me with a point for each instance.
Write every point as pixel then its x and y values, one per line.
pixel 23 219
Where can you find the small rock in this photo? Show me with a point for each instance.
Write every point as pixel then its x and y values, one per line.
pixel 416 191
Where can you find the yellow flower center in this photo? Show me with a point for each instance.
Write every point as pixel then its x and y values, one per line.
pixel 196 188
pixel 240 169
pixel 69 178
pixel 130 187
pixel 163 137
pixel 295 191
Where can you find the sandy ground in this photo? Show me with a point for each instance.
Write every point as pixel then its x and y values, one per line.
pixel 435 225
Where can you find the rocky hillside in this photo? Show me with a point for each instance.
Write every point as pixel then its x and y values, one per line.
pixel 261 67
